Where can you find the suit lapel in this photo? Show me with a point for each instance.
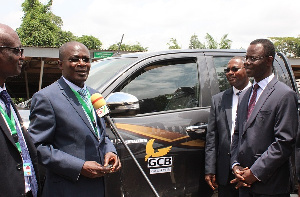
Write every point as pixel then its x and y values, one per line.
pixel 69 94
pixel 228 108
pixel 6 129
pixel 260 102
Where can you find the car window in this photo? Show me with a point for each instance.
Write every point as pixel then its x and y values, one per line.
pixel 104 70
pixel 165 85
pixel 220 65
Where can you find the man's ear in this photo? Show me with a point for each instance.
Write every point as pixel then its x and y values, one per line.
pixel 60 65
pixel 270 61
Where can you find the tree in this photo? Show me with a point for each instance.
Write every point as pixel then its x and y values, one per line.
pixel 195 43
pixel 210 43
pixel 173 44
pixel 90 42
pixel 290 46
pixel 225 43
pixel 125 47
pixel 40 27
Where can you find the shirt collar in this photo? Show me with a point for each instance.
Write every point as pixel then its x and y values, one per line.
pixel 73 86
pixel 263 83
pixel 4 88
pixel 235 90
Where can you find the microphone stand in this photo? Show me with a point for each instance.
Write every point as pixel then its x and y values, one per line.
pixel 116 133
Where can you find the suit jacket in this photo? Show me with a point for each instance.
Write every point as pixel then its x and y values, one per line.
pixel 65 140
pixel 265 142
pixel 11 164
pixel 218 137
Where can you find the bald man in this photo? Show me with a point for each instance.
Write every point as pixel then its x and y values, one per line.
pixel 18 158
pixel 70 138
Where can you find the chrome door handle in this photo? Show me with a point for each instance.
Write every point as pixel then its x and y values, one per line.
pixel 197 129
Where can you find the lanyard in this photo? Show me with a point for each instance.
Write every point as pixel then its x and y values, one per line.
pixel 86 109
pixel 12 125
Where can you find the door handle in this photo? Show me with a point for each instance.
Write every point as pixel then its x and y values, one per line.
pixel 197 129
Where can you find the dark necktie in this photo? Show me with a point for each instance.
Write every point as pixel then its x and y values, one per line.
pixel 239 92
pixel 252 100
pixel 24 151
pixel 7 100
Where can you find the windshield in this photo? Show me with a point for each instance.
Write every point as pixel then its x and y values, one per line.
pixel 106 69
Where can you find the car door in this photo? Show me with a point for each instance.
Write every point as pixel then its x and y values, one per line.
pixel 168 88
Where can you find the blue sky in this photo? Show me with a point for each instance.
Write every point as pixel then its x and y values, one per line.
pixel 153 23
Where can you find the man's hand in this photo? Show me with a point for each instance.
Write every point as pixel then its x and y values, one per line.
pixel 249 177
pixel 112 159
pixel 92 169
pixel 240 180
pixel 211 180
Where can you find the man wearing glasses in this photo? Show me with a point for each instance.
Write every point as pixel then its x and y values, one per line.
pixel 220 129
pixel 70 138
pixel 266 126
pixel 18 158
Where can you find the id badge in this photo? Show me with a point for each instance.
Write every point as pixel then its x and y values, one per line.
pixel 27 168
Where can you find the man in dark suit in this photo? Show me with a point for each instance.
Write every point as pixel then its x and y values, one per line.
pixel 220 129
pixel 70 138
pixel 266 127
pixel 18 158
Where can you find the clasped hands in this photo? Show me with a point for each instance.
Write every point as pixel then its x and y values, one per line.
pixel 243 177
pixel 92 169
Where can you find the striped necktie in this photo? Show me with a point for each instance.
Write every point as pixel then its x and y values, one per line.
pixel 252 100
pixel 84 95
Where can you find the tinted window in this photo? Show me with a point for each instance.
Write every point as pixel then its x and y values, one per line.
pixel 165 85
pixel 105 70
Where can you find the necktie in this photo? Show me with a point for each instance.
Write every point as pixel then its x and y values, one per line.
pixel 84 95
pixel 7 100
pixel 252 100
pixel 239 92
pixel 24 151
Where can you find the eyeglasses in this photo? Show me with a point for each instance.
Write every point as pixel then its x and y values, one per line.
pixel 16 50
pixel 233 69
pixel 77 59
pixel 254 58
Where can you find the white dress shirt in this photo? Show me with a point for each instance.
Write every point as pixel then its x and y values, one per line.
pixel 235 99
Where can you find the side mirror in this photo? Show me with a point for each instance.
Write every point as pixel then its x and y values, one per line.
pixel 122 104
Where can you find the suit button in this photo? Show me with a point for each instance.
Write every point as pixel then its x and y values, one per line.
pixel 241 152
pixel 19 167
pixel 228 153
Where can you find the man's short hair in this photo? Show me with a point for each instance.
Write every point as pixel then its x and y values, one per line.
pixel 239 58
pixel 269 47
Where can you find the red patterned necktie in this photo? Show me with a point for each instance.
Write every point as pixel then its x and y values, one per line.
pixel 252 100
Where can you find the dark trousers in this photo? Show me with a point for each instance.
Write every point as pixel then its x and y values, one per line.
pixel 229 189
pixel 245 192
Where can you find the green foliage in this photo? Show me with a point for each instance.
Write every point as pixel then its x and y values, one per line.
pixel 290 46
pixel 40 27
pixel 210 43
pixel 90 42
pixel 195 43
pixel 125 47
pixel 173 44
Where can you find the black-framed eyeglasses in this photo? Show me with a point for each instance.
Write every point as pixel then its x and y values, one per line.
pixel 16 50
pixel 77 59
pixel 254 58
pixel 233 69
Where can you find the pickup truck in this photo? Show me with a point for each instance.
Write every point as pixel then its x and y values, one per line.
pixel 160 104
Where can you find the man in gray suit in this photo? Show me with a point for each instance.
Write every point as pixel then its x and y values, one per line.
pixel 266 127
pixel 70 138
pixel 220 129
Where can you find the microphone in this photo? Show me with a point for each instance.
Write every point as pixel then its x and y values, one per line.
pixel 102 110
pixel 99 104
